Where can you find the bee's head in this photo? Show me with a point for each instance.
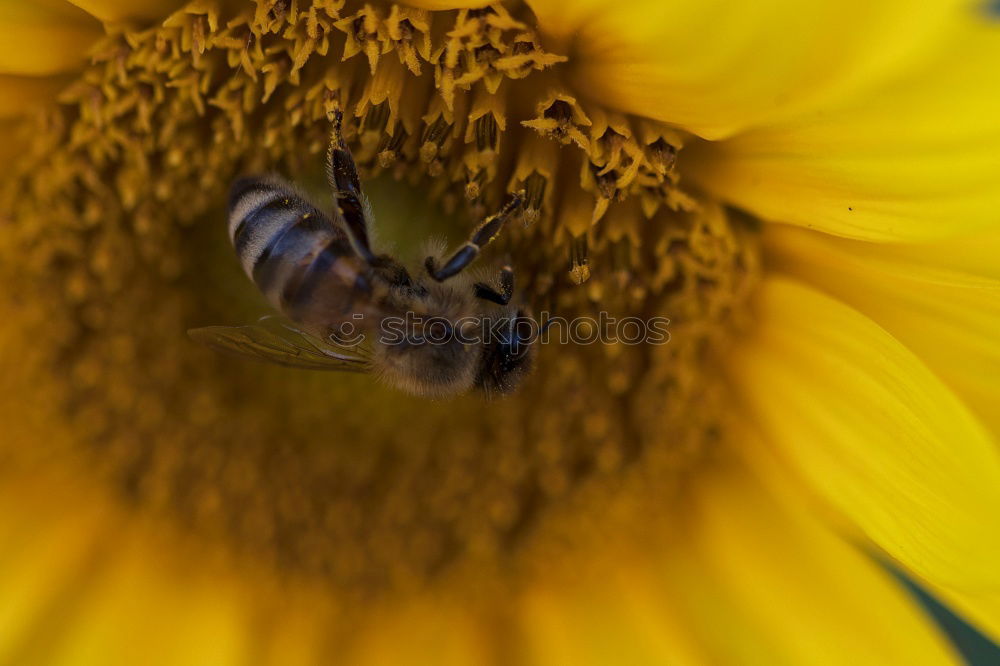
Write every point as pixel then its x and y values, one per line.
pixel 508 354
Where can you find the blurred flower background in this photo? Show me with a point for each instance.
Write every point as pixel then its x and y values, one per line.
pixel 806 473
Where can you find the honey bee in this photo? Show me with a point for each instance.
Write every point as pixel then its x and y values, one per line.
pixel 323 275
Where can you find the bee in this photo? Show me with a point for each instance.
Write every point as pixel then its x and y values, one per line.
pixel 322 274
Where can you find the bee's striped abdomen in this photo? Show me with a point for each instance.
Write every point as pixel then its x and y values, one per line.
pixel 282 240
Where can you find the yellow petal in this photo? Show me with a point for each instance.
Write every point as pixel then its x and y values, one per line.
pixel 875 435
pixel 77 589
pixel 44 37
pixel 123 10
pixel 768 583
pixel 41 563
pixel 616 617
pixel 914 157
pixel 941 300
pixel 198 628
pixel 716 67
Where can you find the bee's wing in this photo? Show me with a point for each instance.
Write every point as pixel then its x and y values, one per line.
pixel 279 340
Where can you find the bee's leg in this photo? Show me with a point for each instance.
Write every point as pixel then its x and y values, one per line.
pixel 342 173
pixel 502 297
pixel 483 234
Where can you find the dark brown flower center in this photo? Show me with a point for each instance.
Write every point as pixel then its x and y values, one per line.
pixel 116 242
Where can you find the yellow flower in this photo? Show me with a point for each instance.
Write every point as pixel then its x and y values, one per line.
pixel 809 191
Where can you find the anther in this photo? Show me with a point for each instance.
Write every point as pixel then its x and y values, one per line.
pixel 486 133
pixel 579 271
pixel 534 194
pixel 389 146
pixel 607 183
pixel 376 117
pixel 474 184
pixel 559 111
pixel 433 138
pixel 662 155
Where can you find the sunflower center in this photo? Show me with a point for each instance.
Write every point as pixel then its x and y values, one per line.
pixel 120 246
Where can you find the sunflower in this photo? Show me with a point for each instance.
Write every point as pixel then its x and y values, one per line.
pixel 810 192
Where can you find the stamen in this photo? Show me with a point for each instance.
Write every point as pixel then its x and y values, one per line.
pixel 362 29
pixel 379 105
pixel 270 15
pixel 579 260
pixel 537 166
pixel 559 117
pixel 310 37
pixel 662 144
pixel 435 134
pixel 390 145
pixel 409 30
pixel 534 187
pixel 486 121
